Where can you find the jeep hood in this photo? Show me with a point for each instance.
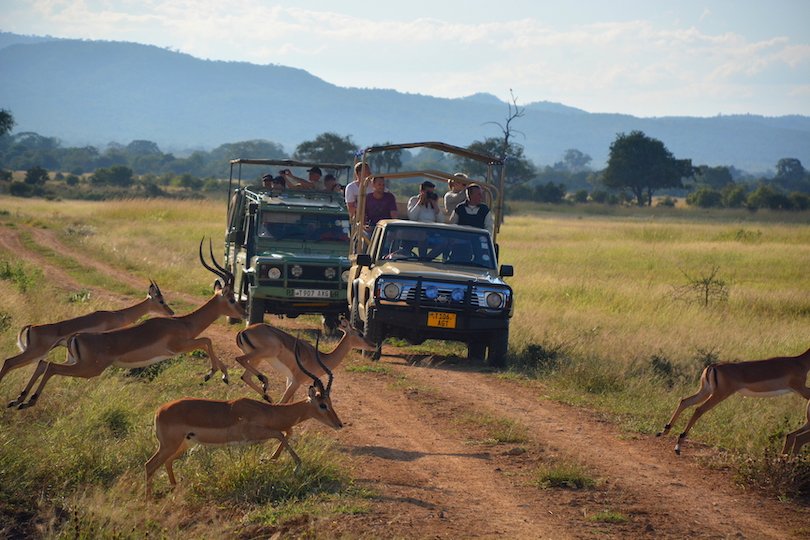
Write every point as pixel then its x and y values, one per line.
pixel 439 272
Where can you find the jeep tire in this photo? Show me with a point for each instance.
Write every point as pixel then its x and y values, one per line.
pixel 255 310
pixel 331 323
pixel 476 350
pixel 498 347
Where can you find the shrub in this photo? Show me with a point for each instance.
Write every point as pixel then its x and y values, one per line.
pixel 705 197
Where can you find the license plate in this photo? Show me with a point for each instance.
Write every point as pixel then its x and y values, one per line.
pixel 311 293
pixel 441 320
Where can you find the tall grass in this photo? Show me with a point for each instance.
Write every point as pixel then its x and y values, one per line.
pixel 72 466
pixel 597 320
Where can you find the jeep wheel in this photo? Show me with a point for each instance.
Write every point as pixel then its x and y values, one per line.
pixel 354 316
pixel 498 347
pixel 255 310
pixel 476 350
pixel 331 325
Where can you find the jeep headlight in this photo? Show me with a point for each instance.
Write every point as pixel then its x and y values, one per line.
pixel 431 292
pixel 457 295
pixel 273 272
pixel 296 271
pixel 330 273
pixel 391 290
pixel 344 276
pixel 494 300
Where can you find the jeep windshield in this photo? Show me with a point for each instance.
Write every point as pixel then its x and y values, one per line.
pixel 304 227
pixel 457 247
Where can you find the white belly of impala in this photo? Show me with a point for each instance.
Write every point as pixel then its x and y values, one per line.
pixel 142 363
pixel 772 393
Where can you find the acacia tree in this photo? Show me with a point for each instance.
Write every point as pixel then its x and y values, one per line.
pixel 642 165
pixel 327 147
pixel 6 122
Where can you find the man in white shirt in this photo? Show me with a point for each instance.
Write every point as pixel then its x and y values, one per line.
pixel 352 191
pixel 425 206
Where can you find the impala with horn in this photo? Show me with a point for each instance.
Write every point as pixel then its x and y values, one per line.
pixel 35 341
pixel 147 343
pixel 241 421
pixel 758 378
pixel 264 342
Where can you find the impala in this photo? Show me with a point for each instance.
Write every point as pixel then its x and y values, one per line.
pixel 796 439
pixel 263 342
pixel 147 343
pixel 36 341
pixel 241 421
pixel 759 378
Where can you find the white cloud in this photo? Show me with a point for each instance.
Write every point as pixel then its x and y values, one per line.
pixel 623 64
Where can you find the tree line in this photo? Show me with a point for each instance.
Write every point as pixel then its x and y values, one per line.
pixel 638 167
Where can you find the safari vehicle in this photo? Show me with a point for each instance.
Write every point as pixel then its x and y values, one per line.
pixel 421 281
pixel 288 249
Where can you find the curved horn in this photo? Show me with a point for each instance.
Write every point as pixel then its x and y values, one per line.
pixel 214 259
pixel 205 264
pixel 326 369
pixel 315 380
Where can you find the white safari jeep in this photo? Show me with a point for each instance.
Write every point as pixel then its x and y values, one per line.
pixel 421 281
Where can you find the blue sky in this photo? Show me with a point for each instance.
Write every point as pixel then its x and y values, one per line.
pixel 646 58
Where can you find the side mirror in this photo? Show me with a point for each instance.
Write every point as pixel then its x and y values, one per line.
pixel 363 259
pixel 507 270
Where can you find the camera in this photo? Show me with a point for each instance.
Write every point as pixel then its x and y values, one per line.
pixel 432 195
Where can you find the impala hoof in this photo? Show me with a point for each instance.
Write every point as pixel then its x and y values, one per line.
pixel 206 377
pixel 225 379
pixel 267 398
pixel 12 403
pixel 22 406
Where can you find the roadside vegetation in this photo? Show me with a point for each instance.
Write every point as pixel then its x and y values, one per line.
pixel 610 315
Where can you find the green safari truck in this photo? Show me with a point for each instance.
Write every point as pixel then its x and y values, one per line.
pixel 287 248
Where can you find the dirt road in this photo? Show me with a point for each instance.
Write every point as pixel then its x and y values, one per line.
pixel 434 474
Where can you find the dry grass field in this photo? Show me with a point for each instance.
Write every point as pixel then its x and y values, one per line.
pixel 617 312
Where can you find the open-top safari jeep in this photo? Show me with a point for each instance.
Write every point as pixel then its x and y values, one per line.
pixel 423 281
pixel 287 249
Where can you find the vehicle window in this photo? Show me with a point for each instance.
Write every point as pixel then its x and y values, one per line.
pixel 306 227
pixel 438 246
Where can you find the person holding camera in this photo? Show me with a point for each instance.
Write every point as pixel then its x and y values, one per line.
pixel 425 206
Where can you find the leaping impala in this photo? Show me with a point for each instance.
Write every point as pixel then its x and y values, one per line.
pixel 241 421
pixel 36 341
pixel 759 378
pixel 151 341
pixel 264 342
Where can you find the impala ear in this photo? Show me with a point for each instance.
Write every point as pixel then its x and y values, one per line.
pixel 217 286
pixel 313 393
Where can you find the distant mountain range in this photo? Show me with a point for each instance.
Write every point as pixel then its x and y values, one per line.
pixel 96 92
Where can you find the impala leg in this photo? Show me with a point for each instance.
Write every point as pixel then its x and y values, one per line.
pixel 708 405
pixel 289 392
pixel 286 444
pixel 42 365
pixel 68 370
pixel 280 447
pixel 205 344
pixel 22 359
pixel 246 361
pixel 796 439
pixel 165 454
pixel 700 396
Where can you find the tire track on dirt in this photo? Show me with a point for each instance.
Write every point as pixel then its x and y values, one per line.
pixel 680 498
pixel 428 483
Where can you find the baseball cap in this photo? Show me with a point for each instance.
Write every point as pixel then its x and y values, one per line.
pixel 316 170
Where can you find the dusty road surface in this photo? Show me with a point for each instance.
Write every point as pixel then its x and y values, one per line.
pixel 416 438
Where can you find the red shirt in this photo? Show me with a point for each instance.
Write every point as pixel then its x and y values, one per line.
pixel 377 209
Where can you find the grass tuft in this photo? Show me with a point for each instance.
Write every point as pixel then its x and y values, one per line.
pixel 563 474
